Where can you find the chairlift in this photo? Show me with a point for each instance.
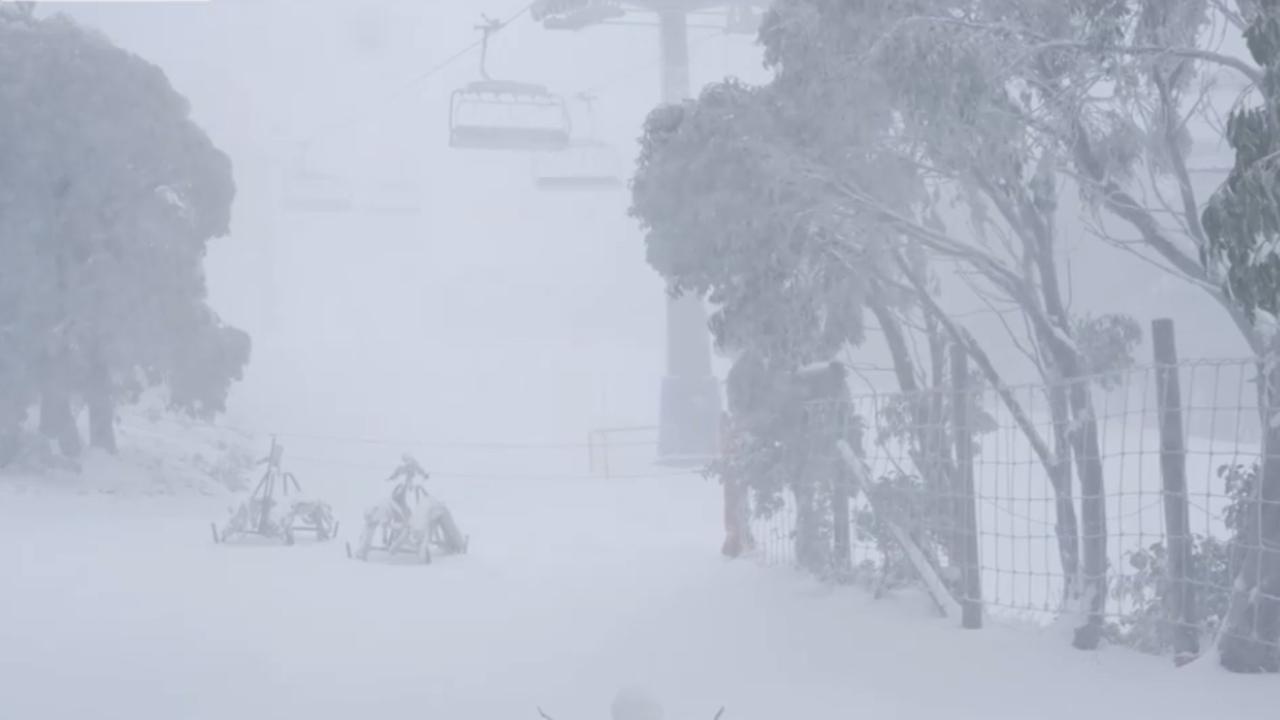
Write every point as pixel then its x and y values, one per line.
pixel 493 114
pixel 585 164
pixel 307 190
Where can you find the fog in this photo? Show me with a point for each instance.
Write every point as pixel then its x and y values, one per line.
pixel 495 289
pixel 499 311
pixel 996 305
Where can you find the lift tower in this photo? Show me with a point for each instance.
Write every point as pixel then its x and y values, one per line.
pixel 689 415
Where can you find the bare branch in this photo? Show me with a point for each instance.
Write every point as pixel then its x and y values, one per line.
pixel 1190 207
pixel 1013 336
pixel 964 340
pixel 999 274
pixel 1123 205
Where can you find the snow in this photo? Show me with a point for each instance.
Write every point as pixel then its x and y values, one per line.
pixel 120 606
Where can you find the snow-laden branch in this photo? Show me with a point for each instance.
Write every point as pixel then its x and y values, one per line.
pixel 1253 74
pixel 860 476
pixel 1044 43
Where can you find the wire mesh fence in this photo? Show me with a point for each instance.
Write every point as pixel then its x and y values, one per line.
pixel 1137 500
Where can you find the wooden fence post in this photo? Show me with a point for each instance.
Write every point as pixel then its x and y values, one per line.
pixel 1180 603
pixel 842 530
pixel 966 504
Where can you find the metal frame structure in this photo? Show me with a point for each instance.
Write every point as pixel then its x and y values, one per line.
pixel 387 530
pixel 256 515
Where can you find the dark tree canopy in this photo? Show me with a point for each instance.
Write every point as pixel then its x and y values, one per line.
pixel 109 193
pixel 1243 216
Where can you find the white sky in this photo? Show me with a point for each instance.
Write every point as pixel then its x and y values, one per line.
pixel 501 311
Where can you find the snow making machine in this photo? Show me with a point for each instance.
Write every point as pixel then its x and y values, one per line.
pixel 411 522
pixel 276 509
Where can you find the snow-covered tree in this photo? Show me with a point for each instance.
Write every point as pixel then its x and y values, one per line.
pixel 958 120
pixel 1242 228
pixel 732 214
pixel 110 193
pixel 757 241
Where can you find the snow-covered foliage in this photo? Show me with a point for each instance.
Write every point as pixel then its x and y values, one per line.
pixel 1243 218
pixel 159 453
pixel 732 212
pixel 880 119
pixel 109 193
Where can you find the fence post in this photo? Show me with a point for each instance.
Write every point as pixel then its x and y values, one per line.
pixel 966 505
pixel 840 511
pixel 1180 603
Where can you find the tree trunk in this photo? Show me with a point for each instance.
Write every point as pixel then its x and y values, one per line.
pixel 1093 510
pixel 1250 640
pixel 1067 527
pixel 931 455
pixel 9 444
pixel 12 414
pixel 937 449
pixel 812 552
pixel 57 422
pixel 102 412
pixel 1039 241
pixel 842 522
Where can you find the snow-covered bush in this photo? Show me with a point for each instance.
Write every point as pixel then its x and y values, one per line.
pixel 1143 623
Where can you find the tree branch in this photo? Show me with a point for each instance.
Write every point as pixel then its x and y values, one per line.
pixel 1123 205
pixel 964 340
pixel 1126 208
pixel 1045 43
pixel 1190 208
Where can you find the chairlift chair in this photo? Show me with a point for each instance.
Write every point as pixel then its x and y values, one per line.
pixel 587 163
pixel 315 192
pixel 583 165
pixel 491 114
pixel 499 115
pixel 307 190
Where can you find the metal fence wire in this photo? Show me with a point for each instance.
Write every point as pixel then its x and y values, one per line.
pixel 1135 500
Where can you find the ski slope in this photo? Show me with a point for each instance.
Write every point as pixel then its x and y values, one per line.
pixel 120 606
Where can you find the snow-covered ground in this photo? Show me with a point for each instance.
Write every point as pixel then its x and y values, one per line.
pixel 120 606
